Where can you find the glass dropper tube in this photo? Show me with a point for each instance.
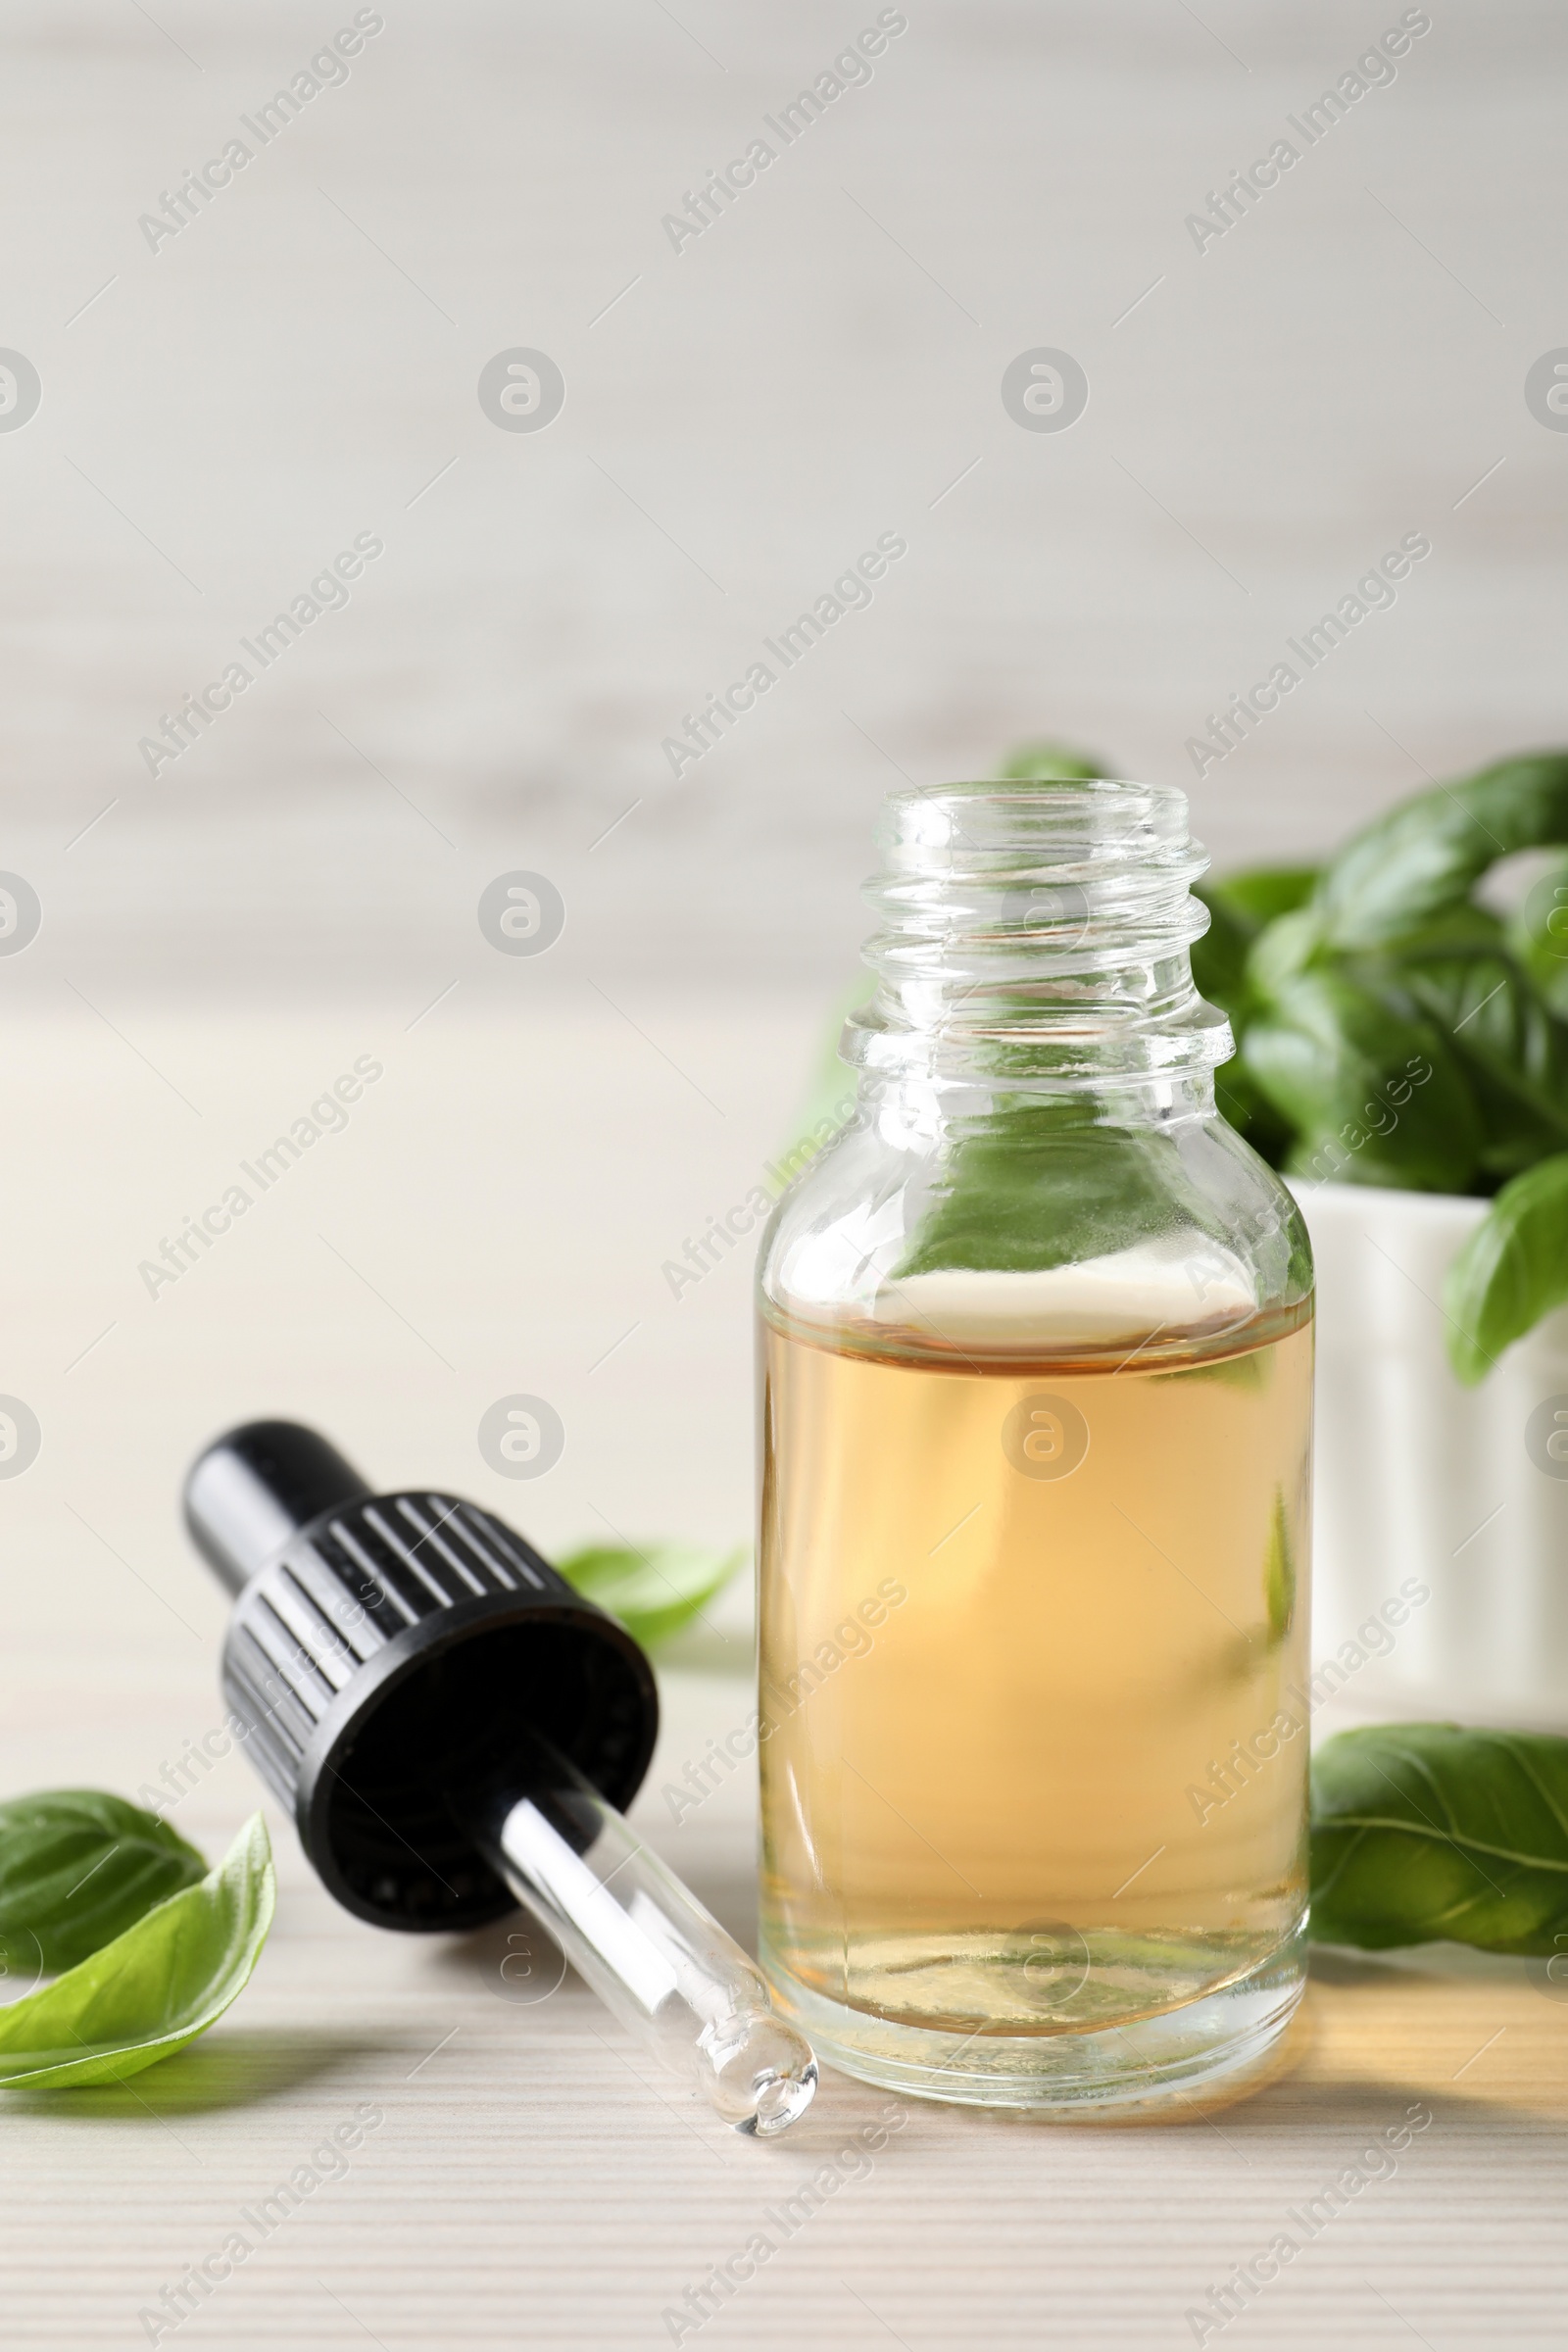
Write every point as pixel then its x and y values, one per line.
pixel 642 1941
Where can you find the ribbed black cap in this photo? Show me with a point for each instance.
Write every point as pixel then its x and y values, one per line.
pixel 390 1658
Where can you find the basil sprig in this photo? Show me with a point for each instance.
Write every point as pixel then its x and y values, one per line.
pixel 1392 1030
pixel 1424 1831
pixel 77 1867
pixel 151 1989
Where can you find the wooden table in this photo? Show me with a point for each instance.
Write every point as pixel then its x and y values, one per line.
pixel 535 2183
pixel 483 1227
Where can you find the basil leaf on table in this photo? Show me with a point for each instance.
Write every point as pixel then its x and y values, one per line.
pixel 1427 852
pixel 1511 1270
pixel 77 1867
pixel 152 1990
pixel 1423 1831
pixel 654 1592
pixel 1333 1054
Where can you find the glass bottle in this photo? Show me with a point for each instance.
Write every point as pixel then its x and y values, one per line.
pixel 1036 1401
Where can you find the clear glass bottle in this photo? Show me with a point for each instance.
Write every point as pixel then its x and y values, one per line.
pixel 1036 1401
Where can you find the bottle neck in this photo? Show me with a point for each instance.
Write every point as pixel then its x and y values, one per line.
pixel 915 1112
pixel 1035 944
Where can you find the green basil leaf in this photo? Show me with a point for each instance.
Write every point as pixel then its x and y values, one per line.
pixel 1283 951
pixel 1243 1104
pixel 1220 973
pixel 77 1867
pixel 153 1989
pixel 1511 1270
pixel 1374 1095
pixel 1539 936
pixel 1048 757
pixel 1427 852
pixel 655 1590
pixel 1278 1571
pixel 1514 1053
pixel 1462 930
pixel 1424 1831
pixel 1260 894
pixel 1037 1184
pixel 1219 958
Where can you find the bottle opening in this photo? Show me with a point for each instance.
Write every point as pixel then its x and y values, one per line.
pixel 1037 930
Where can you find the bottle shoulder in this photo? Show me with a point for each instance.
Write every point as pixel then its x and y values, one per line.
pixel 1033 1232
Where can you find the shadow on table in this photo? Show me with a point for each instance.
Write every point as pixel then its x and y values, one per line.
pixel 241 2068
pixel 1377 2037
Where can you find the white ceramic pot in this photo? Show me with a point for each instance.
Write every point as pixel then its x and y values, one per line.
pixel 1421 1479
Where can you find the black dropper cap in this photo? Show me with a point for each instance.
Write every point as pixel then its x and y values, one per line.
pixel 251 1491
pixel 391 1658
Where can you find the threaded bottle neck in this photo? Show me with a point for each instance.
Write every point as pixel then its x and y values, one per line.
pixel 1036 935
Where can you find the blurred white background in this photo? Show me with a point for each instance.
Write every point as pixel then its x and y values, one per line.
pixel 222 415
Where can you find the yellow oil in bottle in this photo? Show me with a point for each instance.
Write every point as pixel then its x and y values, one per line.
pixel 1031 1761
